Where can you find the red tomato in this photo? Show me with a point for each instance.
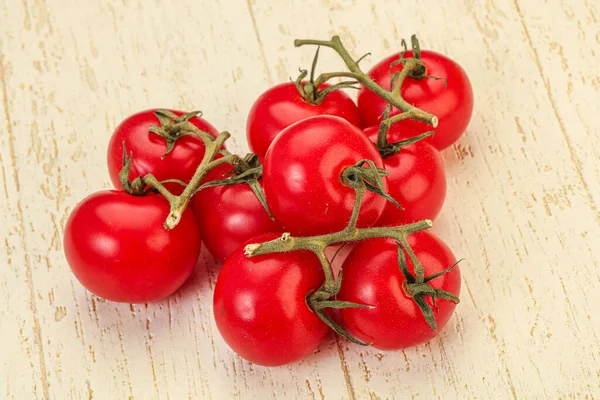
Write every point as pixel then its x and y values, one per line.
pixel 228 216
pixel 302 176
pixel 260 305
pixel 148 150
pixel 118 249
pixel 282 105
pixel 372 276
pixel 417 181
pixel 452 105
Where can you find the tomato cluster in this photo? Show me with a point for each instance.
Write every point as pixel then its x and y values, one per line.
pixel 325 170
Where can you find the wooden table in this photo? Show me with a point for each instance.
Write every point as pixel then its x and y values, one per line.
pixel 522 207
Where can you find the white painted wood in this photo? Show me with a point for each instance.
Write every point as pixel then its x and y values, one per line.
pixel 522 207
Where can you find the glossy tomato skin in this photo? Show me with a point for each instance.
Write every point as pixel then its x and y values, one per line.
pixel 117 247
pixel 372 276
pixel 282 105
pixel 148 150
pixel 302 176
pixel 228 216
pixel 417 180
pixel 260 305
pixel 452 105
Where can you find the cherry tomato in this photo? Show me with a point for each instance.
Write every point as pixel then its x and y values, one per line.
pixel 260 305
pixel 372 276
pixel 228 216
pixel 416 180
pixel 149 150
pixel 282 105
pixel 117 247
pixel 453 105
pixel 302 176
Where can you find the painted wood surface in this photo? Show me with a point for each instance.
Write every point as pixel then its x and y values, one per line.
pixel 522 206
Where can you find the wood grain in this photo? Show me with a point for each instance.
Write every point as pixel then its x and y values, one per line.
pixel 522 208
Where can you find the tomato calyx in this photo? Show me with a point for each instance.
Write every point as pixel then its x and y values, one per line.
pixel 418 70
pixel 417 286
pixel 173 127
pixel 369 177
pixel 247 171
pixel 309 91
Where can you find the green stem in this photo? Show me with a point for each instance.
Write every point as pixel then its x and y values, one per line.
pixel 390 149
pixel 324 77
pixel 206 137
pixel 385 148
pixel 292 243
pixel 150 180
pixel 212 149
pixel 400 79
pixel 350 233
pixel 329 284
pixel 382 140
pixel 387 123
pixel 248 170
pixel 360 192
pixel 419 270
pixel 179 203
pixel 356 73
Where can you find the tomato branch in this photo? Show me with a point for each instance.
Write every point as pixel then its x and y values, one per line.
pixel 178 203
pixel 416 286
pixel 324 297
pixel 287 242
pixel 172 127
pixel 393 97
